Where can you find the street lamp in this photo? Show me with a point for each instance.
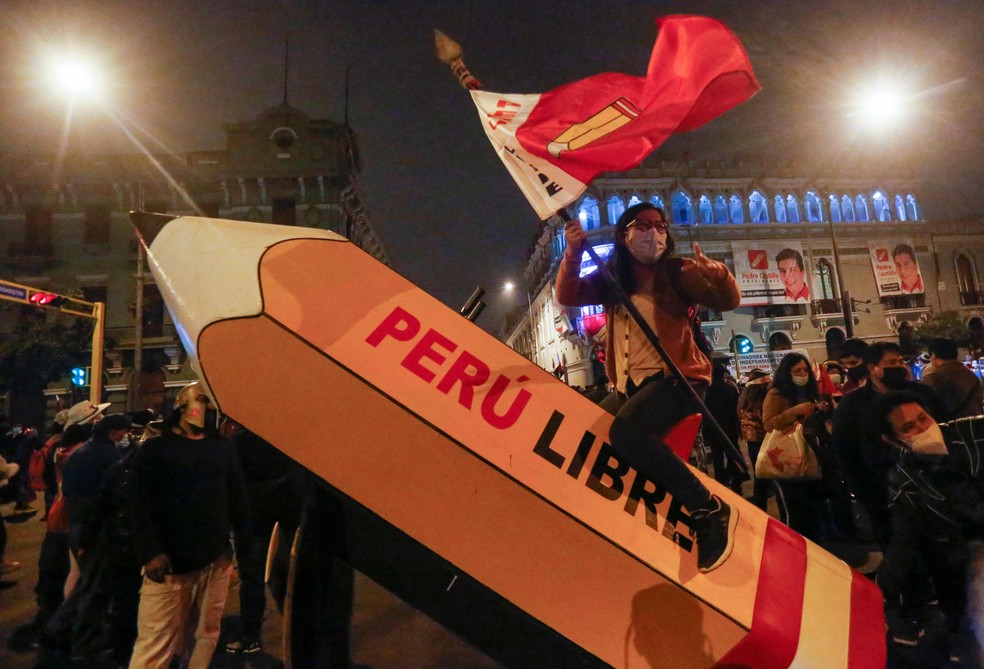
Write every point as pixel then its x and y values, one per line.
pixel 510 287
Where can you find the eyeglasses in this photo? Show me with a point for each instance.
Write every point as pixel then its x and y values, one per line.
pixel 645 226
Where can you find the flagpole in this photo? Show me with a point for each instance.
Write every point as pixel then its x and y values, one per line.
pixel 449 52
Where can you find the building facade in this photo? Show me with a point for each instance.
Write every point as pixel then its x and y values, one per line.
pixel 64 227
pixel 863 234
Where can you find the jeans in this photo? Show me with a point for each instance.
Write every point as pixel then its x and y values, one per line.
pixel 641 422
pixel 182 617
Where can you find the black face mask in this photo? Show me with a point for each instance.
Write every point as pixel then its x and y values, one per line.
pixel 856 373
pixel 894 377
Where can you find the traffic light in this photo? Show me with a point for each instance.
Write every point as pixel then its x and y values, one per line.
pixel 80 376
pixel 44 299
pixel 741 344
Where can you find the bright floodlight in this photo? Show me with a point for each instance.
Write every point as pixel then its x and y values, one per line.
pixel 76 78
pixel 509 285
pixel 883 107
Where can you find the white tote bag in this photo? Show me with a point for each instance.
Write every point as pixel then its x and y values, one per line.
pixel 786 455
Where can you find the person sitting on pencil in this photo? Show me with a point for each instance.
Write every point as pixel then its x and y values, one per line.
pixel 649 400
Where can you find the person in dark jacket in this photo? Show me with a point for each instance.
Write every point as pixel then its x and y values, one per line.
pixel 936 503
pixel 862 456
pixel 187 496
pixel 85 472
pixel 958 388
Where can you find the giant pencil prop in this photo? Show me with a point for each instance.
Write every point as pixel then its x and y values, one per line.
pixel 488 461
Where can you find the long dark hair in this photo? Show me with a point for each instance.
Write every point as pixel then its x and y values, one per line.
pixel 621 260
pixel 782 378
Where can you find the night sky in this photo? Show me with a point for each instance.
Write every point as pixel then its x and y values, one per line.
pixel 438 196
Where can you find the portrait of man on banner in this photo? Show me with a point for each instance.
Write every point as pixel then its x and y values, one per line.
pixel 771 272
pixel 792 273
pixel 896 267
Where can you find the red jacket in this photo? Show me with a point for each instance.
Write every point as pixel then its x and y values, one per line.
pixel 679 284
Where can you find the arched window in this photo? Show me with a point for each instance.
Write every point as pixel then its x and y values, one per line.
pixel 657 201
pixel 825 280
pixel 683 208
pixel 780 208
pixel 780 342
pixel 706 211
pixel 588 214
pixel 967 279
pixel 812 207
pixel 737 211
pixel 792 209
pixel 847 209
pixel 758 208
pixel 835 209
pixel 633 201
pixel 861 208
pixel 720 210
pixel 615 209
pixel 900 208
pixel 880 205
pixel 911 208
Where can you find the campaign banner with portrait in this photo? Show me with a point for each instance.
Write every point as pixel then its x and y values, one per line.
pixel 771 272
pixel 896 267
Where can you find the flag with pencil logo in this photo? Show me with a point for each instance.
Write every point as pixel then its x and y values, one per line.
pixel 555 143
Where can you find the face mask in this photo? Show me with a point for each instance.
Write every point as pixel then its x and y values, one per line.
pixel 929 442
pixel 835 379
pixel 894 377
pixel 644 245
pixel 124 442
pixel 801 380
pixel 856 373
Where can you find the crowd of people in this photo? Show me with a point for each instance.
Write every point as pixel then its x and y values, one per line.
pixel 901 470
pixel 144 515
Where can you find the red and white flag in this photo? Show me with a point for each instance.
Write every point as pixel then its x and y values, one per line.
pixel 555 143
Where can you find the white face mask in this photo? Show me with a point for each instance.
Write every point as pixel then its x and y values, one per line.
pixel 801 380
pixel 835 379
pixel 644 245
pixel 929 442
pixel 124 442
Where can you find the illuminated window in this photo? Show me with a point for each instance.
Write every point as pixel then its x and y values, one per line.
pixel 588 214
pixel 813 208
pixel 792 209
pixel 900 208
pixel 705 209
pixel 911 208
pixel 847 209
pixel 861 208
pixel 720 210
pixel 758 208
pixel 835 209
pixel 880 205
pixel 737 211
pixel 634 200
pixel 615 209
pixel 683 208
pixel 780 209
pixel 657 201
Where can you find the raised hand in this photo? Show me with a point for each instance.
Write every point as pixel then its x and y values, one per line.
pixel 707 267
pixel 576 238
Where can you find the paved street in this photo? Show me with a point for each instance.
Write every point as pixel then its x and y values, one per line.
pixel 386 633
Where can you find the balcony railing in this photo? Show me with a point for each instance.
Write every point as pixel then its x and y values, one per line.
pixel 29 257
pixel 826 306
pixel 969 297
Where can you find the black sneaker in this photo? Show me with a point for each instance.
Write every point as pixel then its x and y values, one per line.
pixel 243 645
pixel 714 531
pixel 908 633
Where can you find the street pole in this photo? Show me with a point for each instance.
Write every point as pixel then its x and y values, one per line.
pixel 846 307
pixel 98 343
pixel 133 388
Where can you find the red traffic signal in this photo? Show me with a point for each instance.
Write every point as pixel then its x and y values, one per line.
pixel 47 299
